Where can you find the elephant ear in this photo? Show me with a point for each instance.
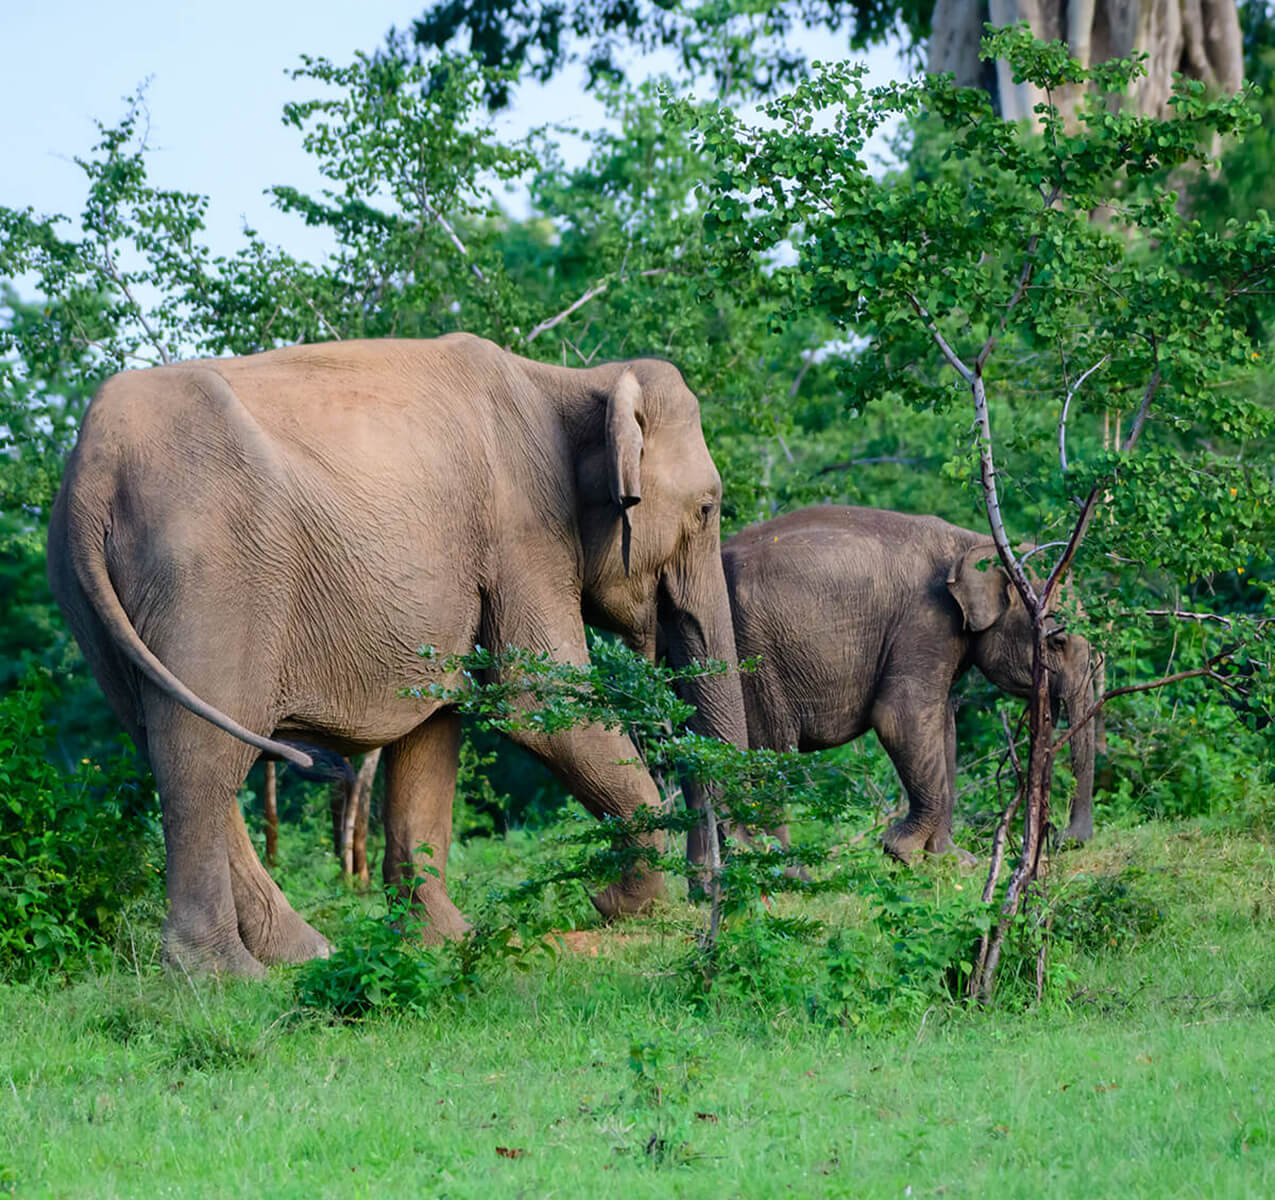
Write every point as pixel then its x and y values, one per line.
pixel 624 441
pixel 982 591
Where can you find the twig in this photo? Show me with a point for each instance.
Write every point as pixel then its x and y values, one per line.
pixel 979 976
pixel 596 290
pixel 1177 677
pixel 987 466
pixel 336 337
pixel 109 267
pixel 1062 420
pixel 808 361
pixel 1183 615
pixel 1002 829
pixel 548 324
pixel 451 233
pixel 1086 512
pixel 939 340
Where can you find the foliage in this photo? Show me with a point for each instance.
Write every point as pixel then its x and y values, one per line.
pixel 777 271
pixel 381 966
pixel 75 847
pixel 741 46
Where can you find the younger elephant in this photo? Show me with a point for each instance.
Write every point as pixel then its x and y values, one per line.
pixel 865 619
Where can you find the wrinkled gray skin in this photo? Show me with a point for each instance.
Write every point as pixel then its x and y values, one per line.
pixel 255 548
pixel 864 620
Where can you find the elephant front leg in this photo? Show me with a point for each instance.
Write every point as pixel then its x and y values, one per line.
pixel 922 745
pixel 599 767
pixel 420 788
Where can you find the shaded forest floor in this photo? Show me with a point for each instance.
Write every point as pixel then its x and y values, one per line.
pixel 1149 1069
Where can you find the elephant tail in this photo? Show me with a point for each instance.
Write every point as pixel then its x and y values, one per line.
pixel 87 547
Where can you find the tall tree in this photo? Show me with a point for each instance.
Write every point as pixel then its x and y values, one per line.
pixel 1199 39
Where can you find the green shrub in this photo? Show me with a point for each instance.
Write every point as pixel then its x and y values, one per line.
pixel 380 965
pixel 1098 913
pixel 75 848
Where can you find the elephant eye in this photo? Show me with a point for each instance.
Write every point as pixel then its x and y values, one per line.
pixel 706 511
pixel 1057 640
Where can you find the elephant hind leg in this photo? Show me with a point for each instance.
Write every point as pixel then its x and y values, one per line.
pixel 921 742
pixel 420 789
pixel 268 925
pixel 198 770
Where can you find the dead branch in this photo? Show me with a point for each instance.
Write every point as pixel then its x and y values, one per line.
pixel 1205 672
pixel 596 290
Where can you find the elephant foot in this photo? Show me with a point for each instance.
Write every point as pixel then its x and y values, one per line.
pixel 902 841
pixel 281 936
pixel 629 897
pixel 224 954
pixel 1080 830
pixel 269 926
pixel 939 847
pixel 444 922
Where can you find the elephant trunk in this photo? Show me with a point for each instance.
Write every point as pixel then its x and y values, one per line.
pixel 1076 691
pixel 697 632
pixel 702 632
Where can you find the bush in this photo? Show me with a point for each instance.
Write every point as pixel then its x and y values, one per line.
pixel 381 966
pixel 75 848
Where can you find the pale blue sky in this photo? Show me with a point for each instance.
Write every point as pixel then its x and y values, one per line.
pixel 218 85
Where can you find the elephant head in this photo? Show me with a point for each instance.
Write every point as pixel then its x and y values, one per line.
pixel 651 535
pixel 1000 640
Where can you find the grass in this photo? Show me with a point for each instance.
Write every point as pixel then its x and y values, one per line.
pixel 1150 1070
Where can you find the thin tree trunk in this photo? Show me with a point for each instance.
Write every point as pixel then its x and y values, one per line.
pixel 269 797
pixel 357 814
pixel 1040 767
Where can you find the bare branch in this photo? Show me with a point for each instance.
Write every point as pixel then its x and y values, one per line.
pixel 109 267
pixel 1225 622
pixel 455 237
pixel 808 361
pixel 948 353
pixel 1062 420
pixel 1002 828
pixel 1063 565
pixel 1074 727
pixel 991 499
pixel 1042 546
pixel 332 333
pixel 598 288
pixel 1153 386
pixel 987 466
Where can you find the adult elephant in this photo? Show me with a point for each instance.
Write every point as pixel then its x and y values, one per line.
pixel 865 619
pixel 251 550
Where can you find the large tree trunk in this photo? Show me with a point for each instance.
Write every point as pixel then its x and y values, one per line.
pixel 1199 38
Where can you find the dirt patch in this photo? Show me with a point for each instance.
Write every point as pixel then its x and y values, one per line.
pixel 591 942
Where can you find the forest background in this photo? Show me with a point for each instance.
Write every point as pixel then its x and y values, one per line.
pixel 722 218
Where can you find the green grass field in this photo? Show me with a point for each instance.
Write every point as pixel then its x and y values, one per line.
pixel 1149 1071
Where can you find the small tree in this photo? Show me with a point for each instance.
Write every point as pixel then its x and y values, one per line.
pixel 1051 270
